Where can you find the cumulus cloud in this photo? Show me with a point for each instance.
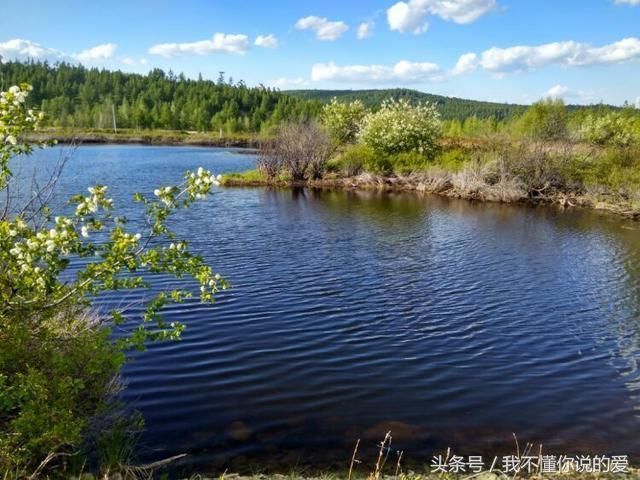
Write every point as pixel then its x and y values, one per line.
pixel 408 17
pixel 365 30
pixel 570 54
pixel 402 72
pixel 219 43
pixel 284 83
pixel 562 91
pixel 628 2
pixel 100 52
pixel 266 41
pixel 323 28
pixel 467 63
pixel 133 61
pixel 411 16
pixel 19 49
pixel 558 91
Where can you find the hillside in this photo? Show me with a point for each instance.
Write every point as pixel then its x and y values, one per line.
pixel 450 107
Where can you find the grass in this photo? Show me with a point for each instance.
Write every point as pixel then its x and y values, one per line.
pixel 250 176
pixel 387 465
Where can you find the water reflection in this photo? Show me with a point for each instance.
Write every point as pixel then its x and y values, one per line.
pixel 451 323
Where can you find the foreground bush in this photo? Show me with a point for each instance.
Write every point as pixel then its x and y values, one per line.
pixel 55 379
pixel 56 366
pixel 401 127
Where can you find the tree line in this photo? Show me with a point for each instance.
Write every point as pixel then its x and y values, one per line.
pixel 76 96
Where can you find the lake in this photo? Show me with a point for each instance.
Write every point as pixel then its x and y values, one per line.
pixel 451 323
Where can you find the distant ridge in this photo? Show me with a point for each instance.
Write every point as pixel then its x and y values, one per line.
pixel 450 107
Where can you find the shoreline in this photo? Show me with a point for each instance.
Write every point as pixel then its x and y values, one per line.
pixel 422 183
pixel 143 137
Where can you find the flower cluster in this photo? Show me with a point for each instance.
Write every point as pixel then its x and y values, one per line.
pixel 343 120
pixel 400 127
pixel 199 183
pixel 35 252
pixel 91 203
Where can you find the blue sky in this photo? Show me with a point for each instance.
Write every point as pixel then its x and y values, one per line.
pixel 501 50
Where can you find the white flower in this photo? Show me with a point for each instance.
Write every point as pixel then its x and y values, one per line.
pixel 137 237
pixel 84 231
pixel 11 139
pixel 156 192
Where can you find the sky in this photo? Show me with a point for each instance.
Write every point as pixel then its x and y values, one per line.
pixel 584 51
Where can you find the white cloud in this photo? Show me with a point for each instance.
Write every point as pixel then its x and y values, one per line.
pixel 558 91
pixel 365 30
pixel 461 11
pixel 20 49
pixel 219 43
pixel 266 41
pixel 132 61
pixel 519 58
pixel 401 72
pixel 411 16
pixel 562 91
pixel 628 2
pixel 100 52
pixel 467 63
pixel 323 28
pixel 408 17
pixel 284 82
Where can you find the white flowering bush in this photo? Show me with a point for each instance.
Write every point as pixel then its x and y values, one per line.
pixel 402 127
pixel 54 371
pixel 343 120
pixel 613 129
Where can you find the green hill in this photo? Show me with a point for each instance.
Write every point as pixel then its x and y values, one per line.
pixel 450 107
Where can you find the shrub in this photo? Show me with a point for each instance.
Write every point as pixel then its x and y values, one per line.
pixel 615 168
pixel 55 367
pixel 613 129
pixel 408 162
pixel 545 120
pixel 452 160
pixel 47 402
pixel 300 149
pixel 268 163
pixel 343 120
pixel 401 127
pixel 352 160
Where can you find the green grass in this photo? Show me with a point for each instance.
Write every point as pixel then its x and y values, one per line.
pixel 249 176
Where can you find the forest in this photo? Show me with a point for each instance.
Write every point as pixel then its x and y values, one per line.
pixel 79 97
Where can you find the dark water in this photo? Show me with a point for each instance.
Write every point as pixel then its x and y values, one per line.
pixel 449 323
